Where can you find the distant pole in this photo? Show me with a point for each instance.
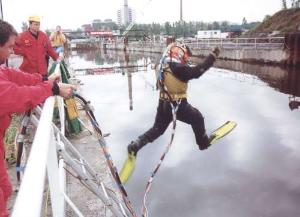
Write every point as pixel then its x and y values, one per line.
pixel 126 13
pixel 1 11
pixel 1 17
pixel 181 20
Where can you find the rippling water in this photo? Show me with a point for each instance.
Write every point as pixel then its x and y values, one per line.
pixel 252 172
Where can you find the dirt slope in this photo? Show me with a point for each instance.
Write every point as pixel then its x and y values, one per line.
pixel 284 21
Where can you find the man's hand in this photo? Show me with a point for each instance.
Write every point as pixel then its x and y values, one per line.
pixel 60 58
pixel 216 52
pixel 54 77
pixel 66 90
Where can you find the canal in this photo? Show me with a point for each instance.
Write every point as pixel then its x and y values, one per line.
pixel 254 171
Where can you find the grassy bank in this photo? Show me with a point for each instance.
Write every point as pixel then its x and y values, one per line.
pixel 9 139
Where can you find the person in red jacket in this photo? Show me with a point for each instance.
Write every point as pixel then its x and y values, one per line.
pixel 35 46
pixel 19 92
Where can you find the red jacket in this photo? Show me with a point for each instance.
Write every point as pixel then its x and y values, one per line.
pixel 19 92
pixel 34 52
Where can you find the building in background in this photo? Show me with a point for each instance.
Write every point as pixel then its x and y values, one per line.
pixel 211 34
pixel 125 15
pixel 106 24
pixel 87 28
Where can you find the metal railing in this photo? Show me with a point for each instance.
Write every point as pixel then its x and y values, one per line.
pixel 42 158
pixel 268 43
pixel 239 43
pixel 33 182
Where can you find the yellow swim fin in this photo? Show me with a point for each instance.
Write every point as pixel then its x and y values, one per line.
pixel 128 168
pixel 222 131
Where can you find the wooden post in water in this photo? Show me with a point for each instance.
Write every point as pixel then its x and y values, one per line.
pixel 296 60
pixel 292 45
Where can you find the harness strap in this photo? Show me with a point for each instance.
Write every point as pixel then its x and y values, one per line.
pixel 149 183
pixel 174 96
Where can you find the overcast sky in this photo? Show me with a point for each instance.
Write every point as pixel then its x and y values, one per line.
pixel 74 13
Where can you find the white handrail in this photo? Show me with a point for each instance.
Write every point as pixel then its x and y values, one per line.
pixel 33 182
pixel 42 158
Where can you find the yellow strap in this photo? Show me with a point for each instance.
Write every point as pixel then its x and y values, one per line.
pixel 71 108
pixel 56 103
pixel 174 96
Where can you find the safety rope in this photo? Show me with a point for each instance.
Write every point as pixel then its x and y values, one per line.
pixel 20 144
pixel 174 107
pixel 107 155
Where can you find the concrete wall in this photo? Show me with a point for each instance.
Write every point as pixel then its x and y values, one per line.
pixel 277 56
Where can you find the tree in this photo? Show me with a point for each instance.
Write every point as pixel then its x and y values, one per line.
pixel 295 3
pixel 284 4
pixel 215 25
pixel 155 28
pixel 168 28
pixel 266 17
pixel 225 26
pixel 244 22
pixel 24 26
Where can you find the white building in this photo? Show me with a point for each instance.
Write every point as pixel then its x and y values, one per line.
pixel 125 15
pixel 211 34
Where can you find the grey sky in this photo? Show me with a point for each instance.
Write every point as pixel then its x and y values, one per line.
pixel 72 14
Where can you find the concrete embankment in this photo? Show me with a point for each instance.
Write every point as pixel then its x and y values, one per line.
pixel 250 55
pixel 280 56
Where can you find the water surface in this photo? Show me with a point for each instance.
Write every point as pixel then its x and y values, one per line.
pixel 254 171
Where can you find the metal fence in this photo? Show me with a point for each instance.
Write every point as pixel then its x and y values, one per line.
pixel 239 43
pixel 268 43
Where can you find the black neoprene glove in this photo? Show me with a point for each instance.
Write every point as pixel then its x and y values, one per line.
pixel 55 89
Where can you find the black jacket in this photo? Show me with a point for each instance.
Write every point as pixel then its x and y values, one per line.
pixel 186 72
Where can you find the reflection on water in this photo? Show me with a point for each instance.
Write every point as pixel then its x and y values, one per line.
pixel 111 58
pixel 254 171
pixel 285 80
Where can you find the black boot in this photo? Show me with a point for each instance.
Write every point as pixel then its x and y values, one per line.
pixel 204 143
pixel 133 147
pixel 136 145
